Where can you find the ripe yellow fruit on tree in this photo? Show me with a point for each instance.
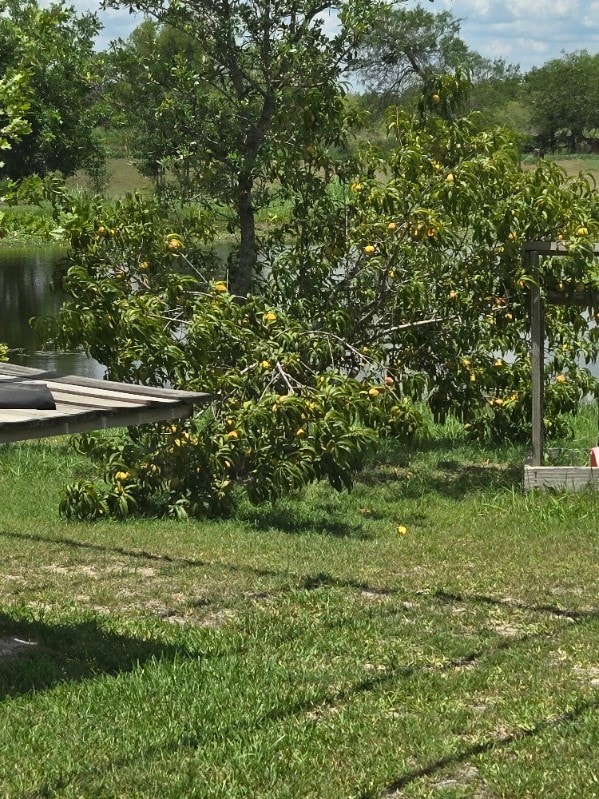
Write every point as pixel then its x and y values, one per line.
pixel 373 392
pixel 369 249
pixel 582 231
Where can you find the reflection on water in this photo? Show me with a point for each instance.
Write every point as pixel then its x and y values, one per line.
pixel 26 292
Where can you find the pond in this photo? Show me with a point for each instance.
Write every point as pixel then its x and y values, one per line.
pixel 26 291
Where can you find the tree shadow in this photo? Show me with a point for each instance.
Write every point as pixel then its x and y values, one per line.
pixel 36 655
pixel 447 478
pixel 293 519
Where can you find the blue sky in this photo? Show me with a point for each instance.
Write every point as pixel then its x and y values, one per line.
pixel 525 32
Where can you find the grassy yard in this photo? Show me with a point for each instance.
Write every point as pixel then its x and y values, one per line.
pixel 123 176
pixel 305 650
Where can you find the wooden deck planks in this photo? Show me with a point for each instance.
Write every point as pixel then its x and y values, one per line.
pixel 84 404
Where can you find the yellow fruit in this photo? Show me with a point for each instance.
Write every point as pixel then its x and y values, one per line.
pixel 499 402
pixel 560 379
pixel 473 378
pixel 449 178
pixel 465 362
pixel 582 231
pixel 436 165
pixel 144 265
pixel 300 432
pixel 401 529
pixel 511 236
pixel 453 294
pixel 373 392
pixel 392 273
pixel 369 249
pixel 220 285
pixel 498 363
pixel 436 99
pixel 509 317
pixel 232 435
pixel 119 275
pixel 174 244
pixel 265 364
pixel 356 186
pixel 102 230
pixel 391 226
pixel 269 317
pixel 121 476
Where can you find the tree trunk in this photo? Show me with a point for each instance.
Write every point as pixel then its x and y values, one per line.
pixel 241 278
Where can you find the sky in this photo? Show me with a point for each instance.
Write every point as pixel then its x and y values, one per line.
pixel 524 32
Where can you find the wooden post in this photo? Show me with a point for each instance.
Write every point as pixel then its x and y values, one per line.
pixel 537 335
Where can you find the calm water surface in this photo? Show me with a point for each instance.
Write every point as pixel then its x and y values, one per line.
pixel 25 292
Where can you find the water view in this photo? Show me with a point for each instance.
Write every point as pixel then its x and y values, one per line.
pixel 26 291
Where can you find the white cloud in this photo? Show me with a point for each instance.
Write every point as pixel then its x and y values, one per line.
pixel 526 32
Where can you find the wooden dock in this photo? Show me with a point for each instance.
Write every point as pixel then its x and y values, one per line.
pixel 84 404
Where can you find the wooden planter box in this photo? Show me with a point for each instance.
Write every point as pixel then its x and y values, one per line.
pixel 560 478
pixel 564 478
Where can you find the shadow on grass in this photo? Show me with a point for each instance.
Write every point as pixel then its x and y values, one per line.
pixel 393 788
pixel 35 655
pixel 140 554
pixel 293 519
pixel 483 599
pixel 447 478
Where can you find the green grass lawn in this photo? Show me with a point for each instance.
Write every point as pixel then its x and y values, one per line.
pixel 305 650
pixel 572 164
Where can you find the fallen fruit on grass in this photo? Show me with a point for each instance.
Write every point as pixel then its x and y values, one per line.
pixel 401 529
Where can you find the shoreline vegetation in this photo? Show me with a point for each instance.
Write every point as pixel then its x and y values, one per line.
pixel 20 221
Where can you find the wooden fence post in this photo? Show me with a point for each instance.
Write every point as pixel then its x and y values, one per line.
pixel 537 335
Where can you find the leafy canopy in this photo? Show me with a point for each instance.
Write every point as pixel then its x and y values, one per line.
pixel 50 51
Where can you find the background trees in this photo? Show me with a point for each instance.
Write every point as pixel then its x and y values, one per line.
pixel 52 48
pixel 405 49
pixel 563 96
